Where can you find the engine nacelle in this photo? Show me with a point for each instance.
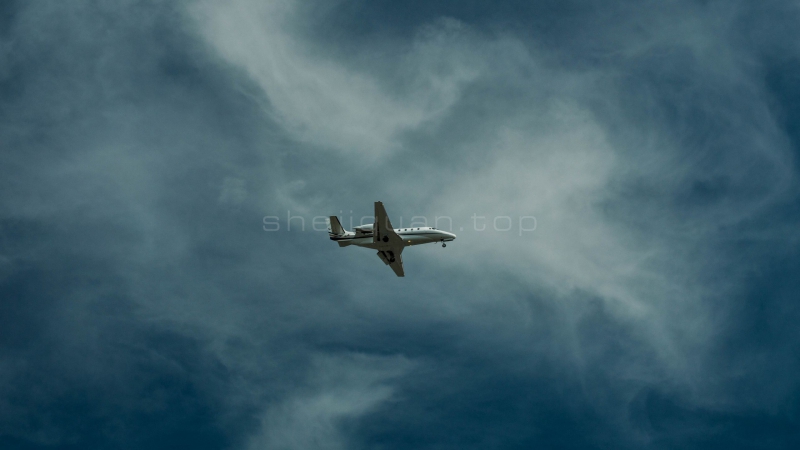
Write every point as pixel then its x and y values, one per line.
pixel 363 230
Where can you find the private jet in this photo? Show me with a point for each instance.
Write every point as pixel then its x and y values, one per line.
pixel 388 241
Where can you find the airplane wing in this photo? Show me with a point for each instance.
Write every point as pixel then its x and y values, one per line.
pixel 397 265
pixel 383 231
pixel 393 259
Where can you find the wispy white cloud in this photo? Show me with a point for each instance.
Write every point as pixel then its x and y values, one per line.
pixel 325 102
pixel 338 388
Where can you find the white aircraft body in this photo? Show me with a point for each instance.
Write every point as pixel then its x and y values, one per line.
pixel 388 241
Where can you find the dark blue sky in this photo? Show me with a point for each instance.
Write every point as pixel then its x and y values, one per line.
pixel 655 305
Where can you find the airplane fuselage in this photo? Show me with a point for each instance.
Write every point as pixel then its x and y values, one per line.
pixel 410 236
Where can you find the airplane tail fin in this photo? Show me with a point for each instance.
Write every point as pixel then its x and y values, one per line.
pixel 334 227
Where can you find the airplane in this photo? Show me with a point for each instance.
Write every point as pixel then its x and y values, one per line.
pixel 388 241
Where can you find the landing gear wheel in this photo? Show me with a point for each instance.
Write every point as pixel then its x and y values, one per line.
pixel 444 245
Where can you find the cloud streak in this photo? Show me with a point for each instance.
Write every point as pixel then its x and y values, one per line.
pixel 323 102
